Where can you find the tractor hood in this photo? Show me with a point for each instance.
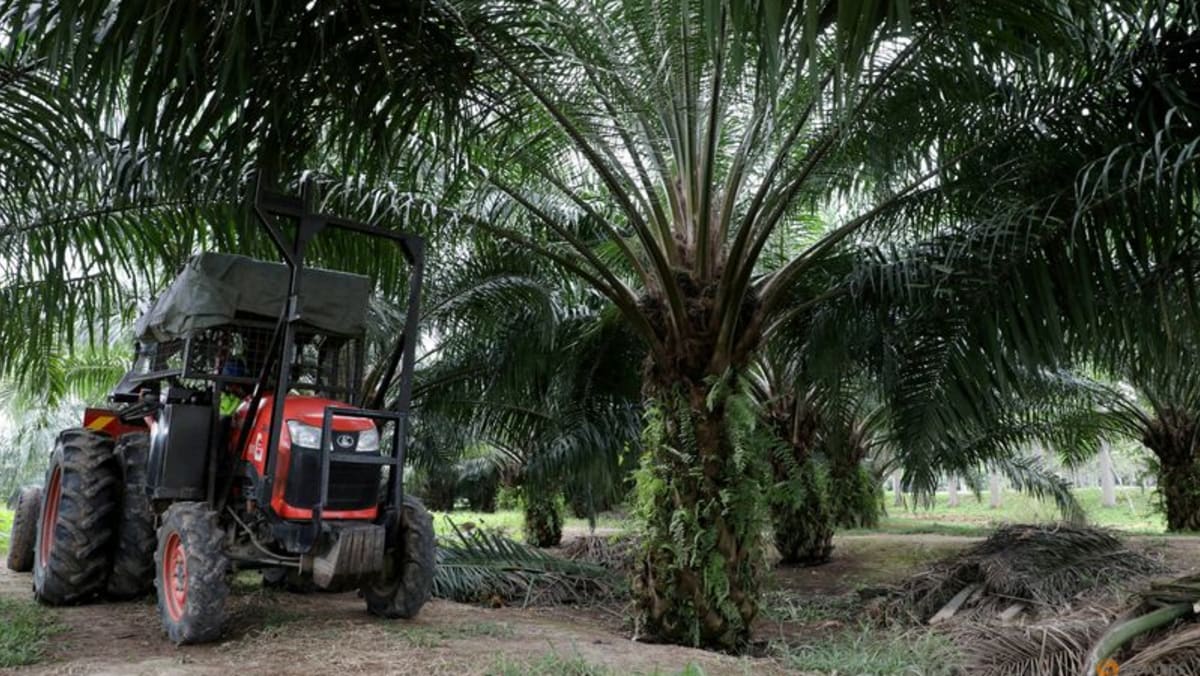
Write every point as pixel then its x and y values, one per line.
pixel 309 410
pixel 215 288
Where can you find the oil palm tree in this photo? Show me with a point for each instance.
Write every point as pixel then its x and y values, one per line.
pixel 1093 272
pixel 129 131
pixel 837 438
pixel 698 150
pixel 1159 406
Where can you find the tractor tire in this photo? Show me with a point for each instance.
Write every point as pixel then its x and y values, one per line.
pixel 190 573
pixel 407 582
pixel 23 537
pixel 132 573
pixel 77 522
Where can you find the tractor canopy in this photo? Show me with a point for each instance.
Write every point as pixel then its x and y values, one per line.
pixel 214 289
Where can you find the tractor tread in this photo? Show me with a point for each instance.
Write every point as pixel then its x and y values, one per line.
pixel 402 596
pixel 23 536
pixel 132 573
pixel 207 587
pixel 77 566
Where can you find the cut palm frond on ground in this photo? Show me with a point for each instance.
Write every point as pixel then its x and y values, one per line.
pixel 611 552
pixel 480 566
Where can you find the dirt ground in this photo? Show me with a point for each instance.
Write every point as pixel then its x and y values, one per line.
pixel 280 633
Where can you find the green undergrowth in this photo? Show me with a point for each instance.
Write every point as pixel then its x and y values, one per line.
pixel 436 637
pixel 5 528
pixel 867 651
pixel 557 664
pixel 786 606
pixel 511 522
pixel 25 629
pixel 1135 512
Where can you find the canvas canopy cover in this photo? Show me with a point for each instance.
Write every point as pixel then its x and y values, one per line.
pixel 214 288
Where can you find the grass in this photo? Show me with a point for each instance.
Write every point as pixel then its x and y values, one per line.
pixel 555 664
pixel 5 529
pixel 786 606
pixel 435 637
pixel 866 651
pixel 550 664
pixel 1135 512
pixel 25 628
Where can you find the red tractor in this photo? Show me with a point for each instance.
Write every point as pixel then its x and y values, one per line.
pixel 243 437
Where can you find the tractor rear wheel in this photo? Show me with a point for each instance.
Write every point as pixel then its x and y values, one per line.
pixel 407 582
pixel 76 526
pixel 190 568
pixel 132 573
pixel 23 536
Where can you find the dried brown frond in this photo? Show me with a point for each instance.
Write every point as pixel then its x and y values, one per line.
pixel 1048 568
pixel 1054 646
pixel 613 552
pixel 1178 652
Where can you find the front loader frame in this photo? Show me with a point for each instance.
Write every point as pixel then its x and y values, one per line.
pixel 268 207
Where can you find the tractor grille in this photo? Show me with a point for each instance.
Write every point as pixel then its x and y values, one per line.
pixel 350 486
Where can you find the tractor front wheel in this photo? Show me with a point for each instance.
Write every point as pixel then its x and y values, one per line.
pixel 190 567
pixel 407 582
pixel 76 525
pixel 23 536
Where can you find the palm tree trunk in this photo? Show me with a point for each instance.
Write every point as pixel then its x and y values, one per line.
pixel 897 490
pixel 701 500
pixel 855 495
pixel 995 491
pixel 1108 485
pixel 952 491
pixel 439 489
pixel 800 512
pixel 543 516
pixel 1172 437
pixel 810 499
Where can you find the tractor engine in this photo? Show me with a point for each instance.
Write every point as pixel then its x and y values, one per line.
pixel 353 489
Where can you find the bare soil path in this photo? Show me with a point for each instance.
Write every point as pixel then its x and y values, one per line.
pixel 280 633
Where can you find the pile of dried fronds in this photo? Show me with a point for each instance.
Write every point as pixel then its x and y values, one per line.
pixel 480 566
pixel 612 552
pixel 1175 652
pixel 1033 571
pixel 1153 637
pixel 1055 645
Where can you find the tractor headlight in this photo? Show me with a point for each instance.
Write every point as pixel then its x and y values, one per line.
pixel 307 436
pixel 368 441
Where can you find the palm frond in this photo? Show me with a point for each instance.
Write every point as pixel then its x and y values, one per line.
pixel 479 566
